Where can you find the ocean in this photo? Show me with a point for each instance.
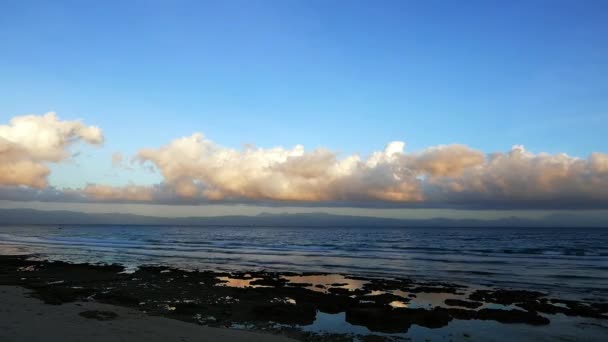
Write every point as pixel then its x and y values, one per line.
pixel 569 261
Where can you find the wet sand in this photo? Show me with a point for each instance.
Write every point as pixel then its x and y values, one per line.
pixel 23 318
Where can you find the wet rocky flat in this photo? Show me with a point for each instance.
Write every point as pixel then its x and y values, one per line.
pixel 284 302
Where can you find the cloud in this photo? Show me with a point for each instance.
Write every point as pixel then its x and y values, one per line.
pixel 445 160
pixel 28 143
pixel 195 169
pixel 448 175
pixel 524 177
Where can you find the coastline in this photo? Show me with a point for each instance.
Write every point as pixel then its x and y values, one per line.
pixel 23 318
pixel 291 304
pixel 524 259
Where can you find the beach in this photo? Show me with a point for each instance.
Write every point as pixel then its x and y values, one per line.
pixel 313 171
pixel 23 318
pixel 171 303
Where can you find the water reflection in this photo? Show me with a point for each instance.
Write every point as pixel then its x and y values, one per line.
pixel 398 304
pixel 428 300
pixel 564 329
pixel 240 283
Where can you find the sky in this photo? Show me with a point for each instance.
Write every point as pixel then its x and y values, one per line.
pixel 386 105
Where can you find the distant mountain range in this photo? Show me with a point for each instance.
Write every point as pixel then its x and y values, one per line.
pixel 35 217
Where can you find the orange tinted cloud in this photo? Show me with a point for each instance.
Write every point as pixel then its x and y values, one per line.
pixel 195 169
pixel 28 143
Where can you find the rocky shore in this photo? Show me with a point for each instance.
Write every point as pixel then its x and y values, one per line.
pixel 282 303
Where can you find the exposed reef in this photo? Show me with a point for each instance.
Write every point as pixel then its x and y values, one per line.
pixel 283 301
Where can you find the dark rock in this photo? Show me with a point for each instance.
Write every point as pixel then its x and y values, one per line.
pixel 340 291
pixel 60 295
pixel 463 303
pixel 505 297
pixel 388 320
pixel 274 282
pixel 300 284
pixel 386 298
pixel 189 308
pixel 152 290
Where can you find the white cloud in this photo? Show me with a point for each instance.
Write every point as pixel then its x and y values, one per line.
pixel 28 143
pixel 196 170
pixel 523 176
pixel 196 167
pixel 445 160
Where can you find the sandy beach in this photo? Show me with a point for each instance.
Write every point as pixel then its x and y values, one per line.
pixel 23 318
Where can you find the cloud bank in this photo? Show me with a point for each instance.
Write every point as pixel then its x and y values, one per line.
pixel 197 170
pixel 527 178
pixel 28 143
pixel 196 167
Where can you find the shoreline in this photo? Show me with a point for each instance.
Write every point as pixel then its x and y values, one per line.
pixel 289 304
pixel 525 260
pixel 23 318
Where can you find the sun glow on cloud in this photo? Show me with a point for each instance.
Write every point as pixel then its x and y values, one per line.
pixel 29 142
pixel 197 170
pixel 196 167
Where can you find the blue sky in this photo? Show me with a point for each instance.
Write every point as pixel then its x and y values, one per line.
pixel 346 75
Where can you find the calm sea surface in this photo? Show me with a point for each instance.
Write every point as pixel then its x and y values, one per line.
pixel 569 261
